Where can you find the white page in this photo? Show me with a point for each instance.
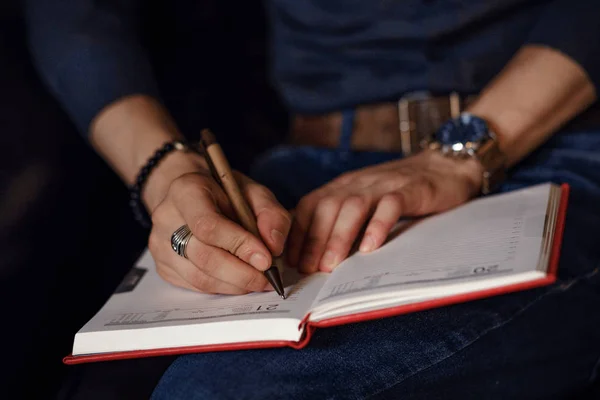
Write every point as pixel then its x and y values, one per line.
pixel 154 305
pixel 497 236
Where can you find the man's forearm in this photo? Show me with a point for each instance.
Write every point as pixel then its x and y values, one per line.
pixel 89 54
pixel 129 131
pixel 537 92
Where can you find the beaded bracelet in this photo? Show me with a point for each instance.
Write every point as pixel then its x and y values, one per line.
pixel 135 190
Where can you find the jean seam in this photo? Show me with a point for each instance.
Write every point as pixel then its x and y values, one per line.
pixel 562 288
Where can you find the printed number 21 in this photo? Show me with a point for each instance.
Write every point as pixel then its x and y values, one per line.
pixel 270 307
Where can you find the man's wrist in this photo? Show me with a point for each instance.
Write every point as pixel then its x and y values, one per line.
pixel 472 170
pixel 469 169
pixel 535 94
pixel 469 138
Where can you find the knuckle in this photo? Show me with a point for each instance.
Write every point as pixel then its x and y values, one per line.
pixel 201 259
pixel 165 275
pixel 154 242
pixel 285 217
pixel 424 197
pixel 241 245
pixel 345 179
pixel 399 198
pixel 377 226
pixel 159 214
pixel 179 184
pixel 199 280
pixel 190 184
pixel 356 203
pixel 429 187
pixel 253 282
pixel 161 271
pixel 394 200
pixel 339 241
pixel 328 203
pixel 407 170
pixel 204 225
pixel 378 229
pixel 304 204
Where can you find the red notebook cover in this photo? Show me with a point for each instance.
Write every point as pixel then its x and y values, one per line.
pixel 309 327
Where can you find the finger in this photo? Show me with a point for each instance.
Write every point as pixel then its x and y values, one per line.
pixel 220 265
pixel 350 220
pixel 303 215
pixel 324 218
pixel 273 220
pixel 199 283
pixel 195 201
pixel 180 271
pixel 415 198
pixel 386 214
pixel 168 274
pixel 295 238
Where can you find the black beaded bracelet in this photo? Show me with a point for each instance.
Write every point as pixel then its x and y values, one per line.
pixel 135 190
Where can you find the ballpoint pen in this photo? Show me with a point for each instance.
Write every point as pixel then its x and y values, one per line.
pixel 223 174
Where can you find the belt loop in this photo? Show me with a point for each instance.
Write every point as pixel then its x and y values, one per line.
pixel 347 129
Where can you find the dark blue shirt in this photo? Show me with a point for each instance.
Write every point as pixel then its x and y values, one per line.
pixel 326 54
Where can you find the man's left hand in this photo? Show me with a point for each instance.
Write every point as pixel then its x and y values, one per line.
pixel 328 220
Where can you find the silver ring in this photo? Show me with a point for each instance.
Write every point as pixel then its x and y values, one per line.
pixel 180 239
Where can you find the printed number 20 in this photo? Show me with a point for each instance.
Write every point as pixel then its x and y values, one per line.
pixel 480 270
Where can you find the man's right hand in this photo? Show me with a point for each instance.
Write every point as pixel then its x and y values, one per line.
pixel 223 257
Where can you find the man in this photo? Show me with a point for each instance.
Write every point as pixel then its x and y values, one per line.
pixel 352 73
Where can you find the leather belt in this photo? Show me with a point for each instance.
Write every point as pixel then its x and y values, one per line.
pixel 403 126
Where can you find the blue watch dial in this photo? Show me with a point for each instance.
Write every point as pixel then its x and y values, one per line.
pixel 464 129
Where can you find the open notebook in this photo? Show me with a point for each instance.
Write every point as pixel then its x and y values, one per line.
pixel 489 246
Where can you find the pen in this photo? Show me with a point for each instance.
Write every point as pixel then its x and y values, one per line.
pixel 223 174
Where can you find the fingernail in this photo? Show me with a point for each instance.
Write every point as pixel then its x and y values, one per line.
pixel 259 261
pixel 367 244
pixel 329 261
pixel 277 237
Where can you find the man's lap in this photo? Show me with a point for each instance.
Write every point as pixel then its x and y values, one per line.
pixel 503 348
pixel 533 343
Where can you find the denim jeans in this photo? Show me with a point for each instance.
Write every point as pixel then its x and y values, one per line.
pixel 540 343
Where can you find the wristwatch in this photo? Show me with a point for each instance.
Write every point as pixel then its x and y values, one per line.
pixel 469 136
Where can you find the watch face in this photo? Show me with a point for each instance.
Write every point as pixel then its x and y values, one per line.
pixel 463 134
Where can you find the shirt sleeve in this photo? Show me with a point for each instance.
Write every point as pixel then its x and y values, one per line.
pixel 573 28
pixel 88 53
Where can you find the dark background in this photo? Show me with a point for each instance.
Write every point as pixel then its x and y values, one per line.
pixel 64 217
pixel 67 236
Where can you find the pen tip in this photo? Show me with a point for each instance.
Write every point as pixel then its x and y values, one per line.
pixel 274 278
